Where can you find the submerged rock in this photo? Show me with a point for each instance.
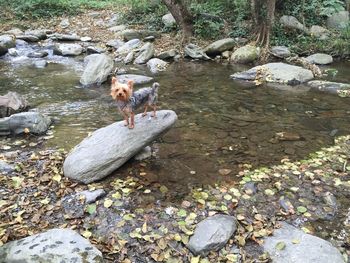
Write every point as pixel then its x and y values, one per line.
pixel 299 247
pixel 276 72
pixel 146 53
pixel 328 86
pixel 110 147
pixel 40 63
pixel 24 122
pixel 245 54
pixel 217 47
pixel 212 234
pixel 138 79
pixel 38 54
pixel 338 20
pixel 320 59
pixel 145 153
pixel 195 52
pixel 156 65
pixel 280 51
pixel 68 49
pixel 3 50
pixel 98 68
pixel 55 245
pixel 12 103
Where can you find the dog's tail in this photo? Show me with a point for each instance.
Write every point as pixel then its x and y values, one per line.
pixel 155 87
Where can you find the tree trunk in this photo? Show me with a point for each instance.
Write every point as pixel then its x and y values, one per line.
pixel 182 16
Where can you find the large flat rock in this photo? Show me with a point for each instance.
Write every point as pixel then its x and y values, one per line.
pixel 53 246
pixel 110 147
pixel 291 245
pixel 276 72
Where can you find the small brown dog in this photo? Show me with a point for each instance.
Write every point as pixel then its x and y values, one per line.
pixel 128 100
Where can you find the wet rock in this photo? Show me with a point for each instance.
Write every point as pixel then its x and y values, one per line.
pixel 85 39
pixel 38 54
pixel 68 49
pixel 94 50
pixel 117 28
pixel 155 65
pixel 195 52
pixel 146 53
pixel 24 122
pixel 168 20
pixel 292 23
pixel 169 54
pixel 212 234
pixel 319 32
pixel 3 50
pixel 129 57
pixel 12 103
pixel 6 168
pixel 74 205
pixel 115 43
pixel 145 153
pixel 320 59
pixel 129 46
pixel 28 38
pixel 220 46
pixel 52 246
pixel 38 33
pixel 40 63
pixel 280 51
pixel 130 34
pixel 138 79
pixel 7 41
pixel 64 37
pixel 276 72
pixel 338 20
pixel 328 86
pixel 98 68
pixel 309 248
pixel 245 54
pixel 13 52
pixel 110 147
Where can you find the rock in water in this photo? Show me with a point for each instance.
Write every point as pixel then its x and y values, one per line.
pixel 98 67
pixel 195 52
pixel 12 103
pixel 138 79
pixel 212 234
pixel 156 65
pixel 276 72
pixel 53 246
pixel 328 86
pixel 24 122
pixel 220 46
pixel 245 54
pixel 300 247
pixel 68 49
pixel 110 147
pixel 145 54
pixel 320 59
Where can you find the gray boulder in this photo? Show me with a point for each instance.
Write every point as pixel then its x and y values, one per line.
pixel 320 32
pixel 130 34
pixel 14 31
pixel 338 20
pixel 24 122
pixel 156 65
pixel 320 59
pixel 138 79
pixel 212 234
pixel 53 246
pixel 280 51
pixel 195 52
pixel 7 41
pixel 40 34
pixel 245 54
pixel 220 46
pixel 299 247
pixel 28 38
pixel 110 147
pixel 146 53
pixel 129 46
pixel 328 86
pixel 276 72
pixel 292 23
pixel 115 43
pixel 169 54
pixel 129 57
pixel 68 49
pixel 98 68
pixel 12 103
pixel 38 54
pixel 168 20
pixel 64 37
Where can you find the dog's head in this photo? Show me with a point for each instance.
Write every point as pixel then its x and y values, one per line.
pixel 120 91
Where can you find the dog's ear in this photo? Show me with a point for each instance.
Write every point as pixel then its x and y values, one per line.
pixel 130 84
pixel 114 80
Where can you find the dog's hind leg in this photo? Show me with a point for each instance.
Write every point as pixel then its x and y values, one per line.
pixel 154 111
pixel 145 112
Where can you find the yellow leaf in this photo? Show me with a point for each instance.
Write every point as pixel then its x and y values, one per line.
pixel 45 201
pixel 87 234
pixel 144 228
pixel 117 195
pixel 107 203
pixel 57 177
pixel 195 259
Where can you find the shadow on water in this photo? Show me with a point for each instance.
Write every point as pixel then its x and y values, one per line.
pixel 222 123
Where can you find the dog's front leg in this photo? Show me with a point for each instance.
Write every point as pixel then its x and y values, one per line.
pixel 132 122
pixel 126 118
pixel 145 112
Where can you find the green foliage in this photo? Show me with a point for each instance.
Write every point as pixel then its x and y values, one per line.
pixel 330 7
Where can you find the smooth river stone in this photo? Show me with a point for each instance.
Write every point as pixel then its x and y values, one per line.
pixel 110 147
